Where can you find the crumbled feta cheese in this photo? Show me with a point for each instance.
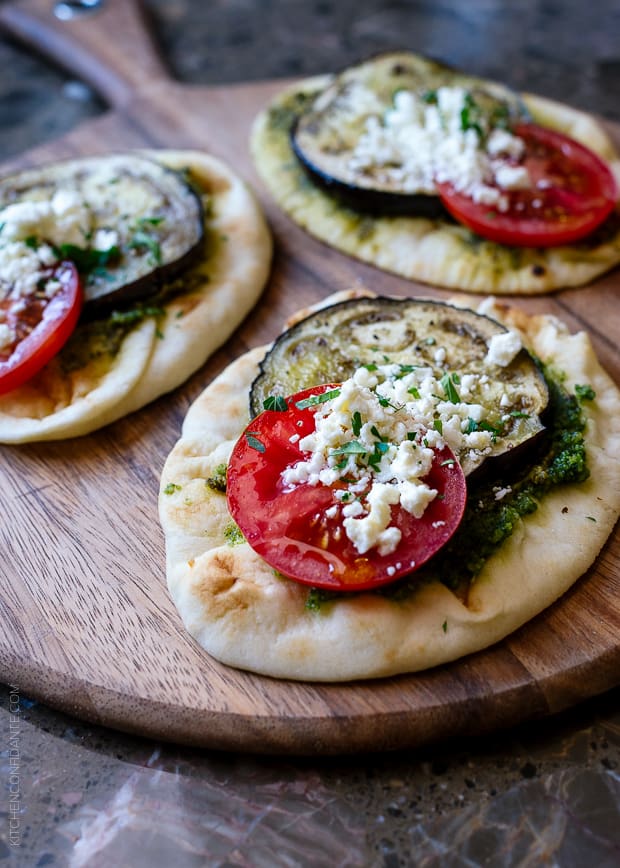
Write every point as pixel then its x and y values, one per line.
pixel 30 229
pixel 500 493
pixel 419 143
pixel 512 177
pixel 379 432
pixel 503 348
pixel 104 239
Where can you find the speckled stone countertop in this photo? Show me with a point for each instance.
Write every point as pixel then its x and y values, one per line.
pixel 543 794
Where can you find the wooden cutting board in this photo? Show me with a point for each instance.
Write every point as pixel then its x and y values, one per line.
pixel 86 622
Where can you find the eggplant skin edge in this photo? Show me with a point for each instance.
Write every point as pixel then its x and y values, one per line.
pixel 366 200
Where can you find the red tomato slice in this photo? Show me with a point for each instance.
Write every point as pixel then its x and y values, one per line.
pixel 42 328
pixel 572 192
pixel 291 530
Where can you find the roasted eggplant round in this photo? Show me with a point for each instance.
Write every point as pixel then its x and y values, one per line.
pixel 325 136
pixel 127 222
pixel 330 344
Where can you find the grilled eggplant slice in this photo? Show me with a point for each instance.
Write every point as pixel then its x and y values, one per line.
pixel 330 344
pixel 325 135
pixel 126 221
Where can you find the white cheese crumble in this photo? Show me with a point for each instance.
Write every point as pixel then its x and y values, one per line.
pixel 503 348
pixel 418 143
pixel 30 230
pixel 375 442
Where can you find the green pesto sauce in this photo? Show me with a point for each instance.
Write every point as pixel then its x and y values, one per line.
pixel 488 522
pixel 101 338
pixel 233 535
pixel 217 482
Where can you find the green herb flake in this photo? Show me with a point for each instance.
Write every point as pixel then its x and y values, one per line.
pixel 444 626
pixel 430 97
pixel 275 402
pixel 353 447
pixel 585 393
pixel 172 487
pixel 438 425
pixel 233 535
pixel 313 400
pixel 254 442
pixel 86 259
pixel 447 384
pixel 415 392
pixel 32 242
pixel 145 241
pixel 376 433
pixel 356 423
pixel 591 518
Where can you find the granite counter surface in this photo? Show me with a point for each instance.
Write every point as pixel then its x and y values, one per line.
pixel 547 793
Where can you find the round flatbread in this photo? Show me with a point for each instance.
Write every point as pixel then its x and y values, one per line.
pixel 107 371
pixel 434 251
pixel 247 616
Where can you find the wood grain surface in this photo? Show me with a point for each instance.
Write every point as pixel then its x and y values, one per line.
pixel 86 623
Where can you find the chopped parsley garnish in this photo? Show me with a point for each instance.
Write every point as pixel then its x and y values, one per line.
pixel 254 442
pixel 275 402
pixel 313 400
pixel 471 116
pixel 149 221
pixel 447 384
pixel 145 241
pixel 430 97
pixel 86 259
pixel 376 433
pixel 356 423
pixel 353 447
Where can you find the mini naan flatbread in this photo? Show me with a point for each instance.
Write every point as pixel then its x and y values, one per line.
pixel 434 251
pixel 107 371
pixel 247 616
